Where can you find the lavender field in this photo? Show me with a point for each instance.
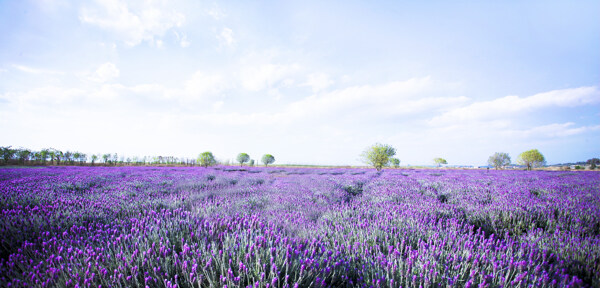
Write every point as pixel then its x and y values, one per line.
pixel 297 227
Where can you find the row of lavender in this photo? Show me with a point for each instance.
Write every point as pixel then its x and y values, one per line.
pixel 272 227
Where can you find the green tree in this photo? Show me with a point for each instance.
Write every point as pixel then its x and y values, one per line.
pixel 77 156
pixel 55 155
pixel 243 158
pixel 7 154
pixel 378 155
pixel 268 159
pixel 43 155
pixel 24 155
pixel 207 159
pixel 69 157
pixel 82 158
pixel 531 158
pixel 593 163
pixel 395 162
pixel 94 158
pixel 499 160
pixel 106 158
pixel 439 161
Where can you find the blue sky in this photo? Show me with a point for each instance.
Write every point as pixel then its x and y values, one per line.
pixel 311 82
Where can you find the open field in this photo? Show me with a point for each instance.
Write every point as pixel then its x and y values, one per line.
pixel 297 227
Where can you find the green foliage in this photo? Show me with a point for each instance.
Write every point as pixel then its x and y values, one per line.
pixel 395 162
pixel 24 155
pixel 55 155
pixel 378 155
pixel 439 161
pixel 7 153
pixel 243 158
pixel 499 160
pixel 206 159
pixel 531 158
pixel 593 163
pixel 43 155
pixel 268 159
pixel 251 163
pixel 68 157
pixel 106 158
pixel 82 157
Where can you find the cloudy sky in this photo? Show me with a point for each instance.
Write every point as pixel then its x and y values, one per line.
pixel 311 82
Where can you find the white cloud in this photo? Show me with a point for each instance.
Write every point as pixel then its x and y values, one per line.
pixel 105 73
pixel 390 99
pixel 216 13
pixel 226 37
pixel 44 96
pixel 202 85
pixel 509 105
pixel 356 103
pixel 554 130
pixel 199 88
pixel 31 70
pixel 217 105
pixel 145 21
pixel 107 94
pixel 318 81
pixel 183 40
pixel 256 77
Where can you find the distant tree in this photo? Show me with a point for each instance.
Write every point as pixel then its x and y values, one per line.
pixel 395 162
pixel 207 159
pixel 251 163
pixel 243 158
pixel 593 163
pixel 7 153
pixel 82 158
pixel 43 155
pixel 36 156
pixel 268 159
pixel 51 155
pixel 69 157
pixel 106 158
pixel 59 156
pixel 439 161
pixel 94 158
pixel 24 155
pixel 378 155
pixel 531 158
pixel 499 160
pixel 55 155
pixel 76 156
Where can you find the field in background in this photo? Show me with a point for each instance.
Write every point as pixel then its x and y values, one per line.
pixel 297 227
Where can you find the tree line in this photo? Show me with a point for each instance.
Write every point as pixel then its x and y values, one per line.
pixel 208 159
pixel 52 156
pixel 381 155
pixel 377 155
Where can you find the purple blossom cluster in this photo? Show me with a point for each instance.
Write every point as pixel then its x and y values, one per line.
pixel 297 227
